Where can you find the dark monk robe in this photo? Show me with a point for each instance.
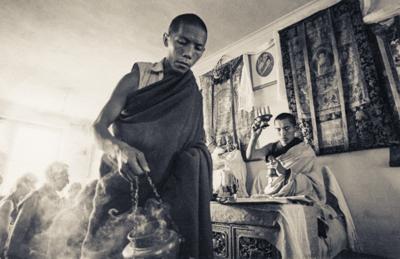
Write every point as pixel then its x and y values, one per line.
pixel 164 120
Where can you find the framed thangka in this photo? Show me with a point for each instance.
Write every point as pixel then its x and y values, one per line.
pixel 334 92
pixel 263 67
pixel 388 38
pixel 220 89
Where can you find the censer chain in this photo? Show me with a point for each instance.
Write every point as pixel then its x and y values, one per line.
pixel 134 186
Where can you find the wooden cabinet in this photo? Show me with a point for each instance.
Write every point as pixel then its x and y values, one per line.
pixel 264 230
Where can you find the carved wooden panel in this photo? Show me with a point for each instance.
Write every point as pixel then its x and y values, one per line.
pixel 332 83
pixel 254 242
pixel 221 241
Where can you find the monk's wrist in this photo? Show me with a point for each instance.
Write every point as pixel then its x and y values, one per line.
pixel 113 146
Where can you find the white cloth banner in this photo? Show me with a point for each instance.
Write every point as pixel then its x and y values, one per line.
pixel 246 94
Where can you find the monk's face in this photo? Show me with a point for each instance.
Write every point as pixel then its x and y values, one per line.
pixel 185 47
pixel 286 131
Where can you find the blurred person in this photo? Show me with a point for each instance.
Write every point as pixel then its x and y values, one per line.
pixel 293 171
pixel 72 192
pixel 69 226
pixel 29 236
pixel 9 205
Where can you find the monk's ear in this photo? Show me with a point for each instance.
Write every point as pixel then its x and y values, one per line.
pixel 297 128
pixel 165 39
pixel 298 132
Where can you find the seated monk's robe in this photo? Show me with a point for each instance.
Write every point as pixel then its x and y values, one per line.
pixel 164 120
pixel 298 158
pixel 305 177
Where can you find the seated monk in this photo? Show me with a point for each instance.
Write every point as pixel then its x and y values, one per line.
pixel 292 171
pixel 289 161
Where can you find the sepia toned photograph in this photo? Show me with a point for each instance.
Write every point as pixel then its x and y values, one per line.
pixel 199 129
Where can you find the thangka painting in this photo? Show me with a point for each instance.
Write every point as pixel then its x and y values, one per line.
pixel 334 92
pixel 394 42
pixel 220 89
pixel 388 37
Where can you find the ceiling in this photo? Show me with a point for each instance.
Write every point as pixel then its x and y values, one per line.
pixel 67 56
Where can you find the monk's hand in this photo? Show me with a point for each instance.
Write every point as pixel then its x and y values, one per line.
pixel 258 125
pixel 275 164
pixel 136 161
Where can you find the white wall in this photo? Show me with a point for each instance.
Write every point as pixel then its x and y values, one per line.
pixel 371 188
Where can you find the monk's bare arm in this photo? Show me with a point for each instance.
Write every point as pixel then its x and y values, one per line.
pixel 253 153
pixel 110 112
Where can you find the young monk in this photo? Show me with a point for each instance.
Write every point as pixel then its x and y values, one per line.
pixel 289 161
pixel 156 116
